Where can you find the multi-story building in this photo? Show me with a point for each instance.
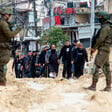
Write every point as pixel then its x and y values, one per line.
pixel 24 13
pixel 73 16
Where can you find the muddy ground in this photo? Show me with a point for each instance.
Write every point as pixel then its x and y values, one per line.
pixel 53 95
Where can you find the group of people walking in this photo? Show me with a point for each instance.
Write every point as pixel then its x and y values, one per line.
pixel 73 58
pixel 36 64
pixel 46 62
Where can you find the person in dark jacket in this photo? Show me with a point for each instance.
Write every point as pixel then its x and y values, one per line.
pixel 37 65
pixel 33 67
pixel 42 61
pixel 16 66
pixel 20 67
pixel 74 44
pixel 52 60
pixel 27 65
pixel 80 57
pixel 65 53
pixel 73 55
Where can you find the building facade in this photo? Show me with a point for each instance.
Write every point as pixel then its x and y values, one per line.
pixel 74 18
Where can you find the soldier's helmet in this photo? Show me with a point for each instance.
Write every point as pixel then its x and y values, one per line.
pixel 105 15
pixel 7 11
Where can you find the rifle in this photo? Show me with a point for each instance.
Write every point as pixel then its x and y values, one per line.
pixel 11 26
pixel 93 42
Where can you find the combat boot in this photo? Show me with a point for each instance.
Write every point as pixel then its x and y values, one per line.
pixel 93 86
pixel 108 87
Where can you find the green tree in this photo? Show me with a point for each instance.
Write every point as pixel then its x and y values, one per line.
pixel 54 36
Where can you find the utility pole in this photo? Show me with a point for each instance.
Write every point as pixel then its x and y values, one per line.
pixel 35 18
pixel 14 11
pixel 92 19
pixel 108 5
pixel 51 14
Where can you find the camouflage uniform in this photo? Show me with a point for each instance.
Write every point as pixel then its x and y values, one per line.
pixel 5 37
pixel 102 44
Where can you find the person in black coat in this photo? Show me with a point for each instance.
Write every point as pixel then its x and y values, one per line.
pixel 33 67
pixel 27 65
pixel 37 65
pixel 18 64
pixel 80 57
pixel 15 66
pixel 65 53
pixel 52 60
pixel 42 61
pixel 73 53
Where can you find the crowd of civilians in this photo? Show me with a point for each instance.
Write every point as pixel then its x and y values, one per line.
pixel 45 63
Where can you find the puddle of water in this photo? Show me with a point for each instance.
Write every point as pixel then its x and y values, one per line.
pixel 36 86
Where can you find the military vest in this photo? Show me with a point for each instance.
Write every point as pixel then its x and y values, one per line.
pixel 107 42
pixel 4 43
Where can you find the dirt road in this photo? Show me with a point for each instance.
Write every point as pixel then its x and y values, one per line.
pixel 53 95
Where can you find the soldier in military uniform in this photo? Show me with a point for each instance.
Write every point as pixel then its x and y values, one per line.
pixel 102 42
pixel 5 37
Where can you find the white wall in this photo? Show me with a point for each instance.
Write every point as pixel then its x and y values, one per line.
pixel 108 6
pixel 41 12
pixel 84 32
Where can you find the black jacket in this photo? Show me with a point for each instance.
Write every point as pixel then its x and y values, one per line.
pixel 80 55
pixel 42 57
pixel 65 53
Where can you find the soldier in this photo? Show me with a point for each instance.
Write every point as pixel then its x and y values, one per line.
pixel 102 42
pixel 5 37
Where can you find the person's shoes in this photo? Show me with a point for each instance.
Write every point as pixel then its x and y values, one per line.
pixel 108 86
pixel 91 88
pixel 107 89
pixel 2 84
pixel 52 75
